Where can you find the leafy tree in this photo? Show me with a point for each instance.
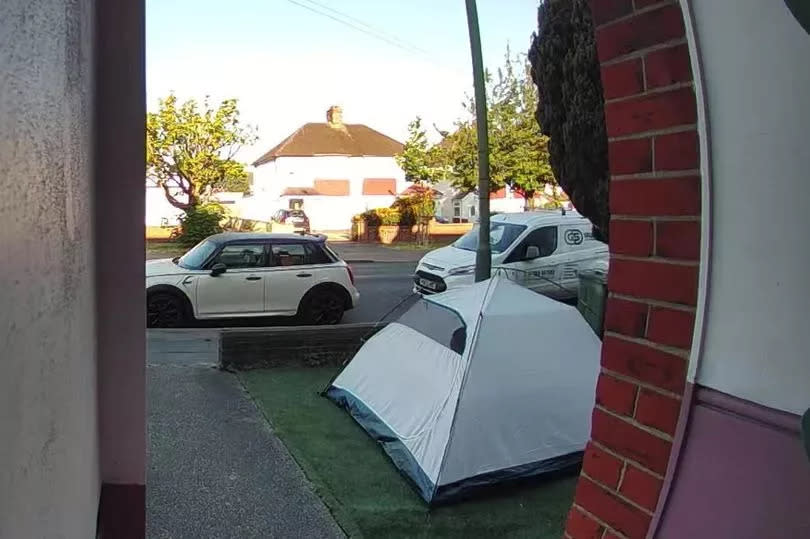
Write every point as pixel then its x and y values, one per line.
pixel 190 150
pixel 518 149
pixel 421 162
pixel 237 184
pixel 424 165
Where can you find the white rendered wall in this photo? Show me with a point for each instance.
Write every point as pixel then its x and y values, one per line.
pixel 756 72
pixel 329 212
pixel 49 455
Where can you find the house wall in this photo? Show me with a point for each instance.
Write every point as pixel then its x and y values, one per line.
pixel 757 80
pixel 49 476
pixel 120 158
pixel 325 213
pixel 511 203
pixel 740 470
pixel 158 208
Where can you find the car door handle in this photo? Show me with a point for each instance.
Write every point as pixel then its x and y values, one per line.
pixel 304 275
pixel 253 278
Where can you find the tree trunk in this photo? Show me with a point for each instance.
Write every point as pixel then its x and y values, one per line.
pixel 180 205
pixel 423 231
pixel 529 204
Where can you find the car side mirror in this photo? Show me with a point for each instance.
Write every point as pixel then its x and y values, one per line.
pixel 218 269
pixel 532 252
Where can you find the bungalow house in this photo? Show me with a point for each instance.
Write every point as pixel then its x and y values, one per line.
pixel 332 170
pixel 462 207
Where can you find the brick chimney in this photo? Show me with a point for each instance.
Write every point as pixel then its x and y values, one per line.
pixel 334 116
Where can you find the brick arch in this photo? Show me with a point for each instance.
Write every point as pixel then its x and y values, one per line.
pixel 655 203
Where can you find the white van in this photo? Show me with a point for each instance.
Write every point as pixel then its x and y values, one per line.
pixel 542 250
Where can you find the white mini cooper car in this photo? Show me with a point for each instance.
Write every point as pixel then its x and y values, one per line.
pixel 248 275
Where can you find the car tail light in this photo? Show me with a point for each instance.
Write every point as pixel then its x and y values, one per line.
pixel 351 274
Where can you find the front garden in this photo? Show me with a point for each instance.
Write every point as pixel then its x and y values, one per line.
pixel 363 490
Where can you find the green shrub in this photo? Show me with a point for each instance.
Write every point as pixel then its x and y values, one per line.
pixel 201 222
pixel 414 209
pixel 381 217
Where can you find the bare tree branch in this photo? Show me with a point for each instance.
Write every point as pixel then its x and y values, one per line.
pixel 172 200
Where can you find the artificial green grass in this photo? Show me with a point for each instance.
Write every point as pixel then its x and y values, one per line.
pixel 365 492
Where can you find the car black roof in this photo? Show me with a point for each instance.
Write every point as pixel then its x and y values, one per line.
pixel 227 237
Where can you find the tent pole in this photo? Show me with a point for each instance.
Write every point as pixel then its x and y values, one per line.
pixel 483 255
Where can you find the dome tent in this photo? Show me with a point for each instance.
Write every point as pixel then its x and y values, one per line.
pixel 475 386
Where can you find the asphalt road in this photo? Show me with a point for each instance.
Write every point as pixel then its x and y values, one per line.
pixel 382 286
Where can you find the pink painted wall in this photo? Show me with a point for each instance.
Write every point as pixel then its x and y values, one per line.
pixel 742 474
pixel 120 206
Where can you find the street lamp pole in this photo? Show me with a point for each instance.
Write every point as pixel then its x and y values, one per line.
pixel 483 255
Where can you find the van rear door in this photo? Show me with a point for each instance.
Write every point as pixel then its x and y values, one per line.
pixel 578 249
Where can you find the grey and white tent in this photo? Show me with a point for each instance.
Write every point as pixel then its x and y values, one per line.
pixel 475 386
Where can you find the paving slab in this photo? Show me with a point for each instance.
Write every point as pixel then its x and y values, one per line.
pixel 216 469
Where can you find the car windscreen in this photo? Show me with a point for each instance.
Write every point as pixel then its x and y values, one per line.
pixel 501 236
pixel 196 257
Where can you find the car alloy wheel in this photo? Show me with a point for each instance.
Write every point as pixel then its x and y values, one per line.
pixel 164 311
pixel 325 308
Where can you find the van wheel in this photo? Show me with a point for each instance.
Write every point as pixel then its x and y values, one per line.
pixel 164 310
pixel 322 307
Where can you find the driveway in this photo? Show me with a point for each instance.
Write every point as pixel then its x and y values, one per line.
pixel 215 467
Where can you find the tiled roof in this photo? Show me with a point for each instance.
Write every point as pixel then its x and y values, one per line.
pixel 420 190
pixel 323 139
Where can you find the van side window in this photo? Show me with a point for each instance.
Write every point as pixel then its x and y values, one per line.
pixel 545 239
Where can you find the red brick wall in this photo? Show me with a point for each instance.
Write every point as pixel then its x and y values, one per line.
pixel 651 117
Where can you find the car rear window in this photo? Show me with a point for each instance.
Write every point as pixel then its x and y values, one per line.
pixel 299 254
pixel 329 250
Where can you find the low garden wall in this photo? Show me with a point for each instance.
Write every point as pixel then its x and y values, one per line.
pixel 388 234
pixel 232 224
pixel 306 346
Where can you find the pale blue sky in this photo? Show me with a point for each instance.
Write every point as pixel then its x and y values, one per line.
pixel 287 65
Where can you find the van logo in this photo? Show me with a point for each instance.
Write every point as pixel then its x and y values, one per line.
pixel 573 237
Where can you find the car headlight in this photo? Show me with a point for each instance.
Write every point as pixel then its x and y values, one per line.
pixel 463 270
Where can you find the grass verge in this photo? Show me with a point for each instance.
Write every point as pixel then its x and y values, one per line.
pixel 164 249
pixel 414 246
pixel 361 487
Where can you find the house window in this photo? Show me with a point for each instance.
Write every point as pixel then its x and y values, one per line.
pixel 332 187
pixel 456 208
pixel 472 211
pixel 379 186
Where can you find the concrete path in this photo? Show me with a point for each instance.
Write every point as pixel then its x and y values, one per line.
pixel 215 467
